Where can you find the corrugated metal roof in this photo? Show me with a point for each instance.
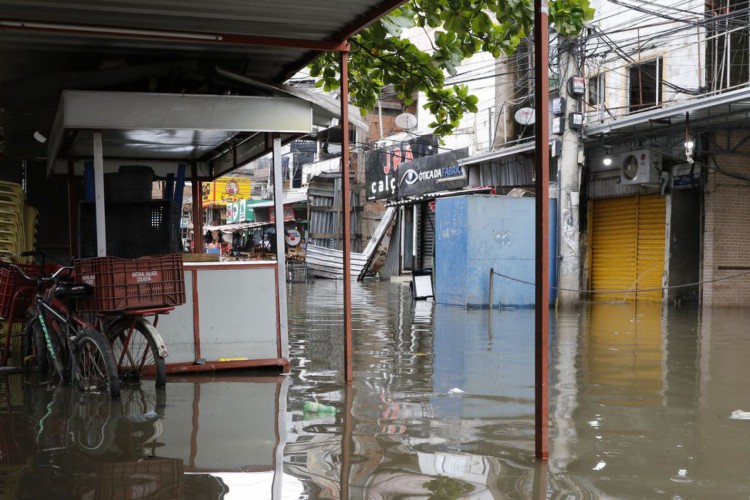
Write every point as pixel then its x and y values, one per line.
pixel 313 20
pixel 156 46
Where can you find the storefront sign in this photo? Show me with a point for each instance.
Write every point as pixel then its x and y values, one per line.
pixel 383 165
pixel 288 213
pixel 226 190
pixel 240 211
pixel 686 181
pixel 432 174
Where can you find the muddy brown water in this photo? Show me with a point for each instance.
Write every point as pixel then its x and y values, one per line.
pixel 645 402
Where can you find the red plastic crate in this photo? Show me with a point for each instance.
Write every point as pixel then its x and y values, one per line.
pixel 11 282
pixel 121 284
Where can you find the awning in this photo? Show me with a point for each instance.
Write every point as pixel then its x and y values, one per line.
pixel 230 228
pixel 524 147
pixel 289 198
pixel 166 129
pixel 717 111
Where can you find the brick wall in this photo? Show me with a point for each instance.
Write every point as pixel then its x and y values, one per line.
pixel 726 242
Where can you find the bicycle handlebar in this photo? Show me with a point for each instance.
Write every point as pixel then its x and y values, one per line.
pixel 41 278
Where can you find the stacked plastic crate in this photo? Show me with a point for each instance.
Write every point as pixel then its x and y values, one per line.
pixel 12 227
pixel 13 241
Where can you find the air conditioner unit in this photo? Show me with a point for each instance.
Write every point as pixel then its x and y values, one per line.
pixel 642 166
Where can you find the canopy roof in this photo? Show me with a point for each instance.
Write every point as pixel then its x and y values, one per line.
pixel 222 47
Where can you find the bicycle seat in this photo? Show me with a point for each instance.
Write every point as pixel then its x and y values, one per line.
pixel 72 291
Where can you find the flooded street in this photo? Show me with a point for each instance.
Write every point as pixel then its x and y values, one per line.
pixel 642 402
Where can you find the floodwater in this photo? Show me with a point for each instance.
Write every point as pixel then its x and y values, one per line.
pixel 645 402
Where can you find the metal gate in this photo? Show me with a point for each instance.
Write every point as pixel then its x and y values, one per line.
pixel 427 236
pixel 627 247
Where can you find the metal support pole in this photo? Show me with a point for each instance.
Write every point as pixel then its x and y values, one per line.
pixel 72 211
pixel 101 228
pixel 346 441
pixel 492 288
pixel 345 211
pixel 197 210
pixel 541 161
pixel 278 206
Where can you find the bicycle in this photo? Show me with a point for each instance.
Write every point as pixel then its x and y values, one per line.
pixel 63 340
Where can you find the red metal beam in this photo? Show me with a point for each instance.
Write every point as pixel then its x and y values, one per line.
pixel 345 209
pixel 541 164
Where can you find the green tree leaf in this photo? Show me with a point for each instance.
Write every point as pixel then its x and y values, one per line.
pixel 460 29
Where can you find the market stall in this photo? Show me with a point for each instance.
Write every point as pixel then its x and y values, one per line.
pixel 235 314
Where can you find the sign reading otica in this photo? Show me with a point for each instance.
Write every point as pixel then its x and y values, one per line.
pixel 432 174
pixel 411 176
pixel 383 165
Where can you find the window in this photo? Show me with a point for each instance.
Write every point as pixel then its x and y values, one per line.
pixel 595 90
pixel 727 43
pixel 645 85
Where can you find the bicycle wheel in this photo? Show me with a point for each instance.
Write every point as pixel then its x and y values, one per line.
pixel 136 352
pixel 93 423
pixel 95 368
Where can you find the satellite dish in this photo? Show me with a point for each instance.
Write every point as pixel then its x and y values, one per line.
pixel 525 116
pixel 406 121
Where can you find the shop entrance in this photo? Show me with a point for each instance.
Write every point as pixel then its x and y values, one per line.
pixel 627 248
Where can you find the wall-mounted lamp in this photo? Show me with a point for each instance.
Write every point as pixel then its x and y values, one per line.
pixel 689 149
pixel 607 161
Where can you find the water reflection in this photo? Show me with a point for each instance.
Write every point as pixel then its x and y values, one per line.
pixel 624 353
pixel 441 407
pixel 186 441
pixel 442 403
pixel 425 406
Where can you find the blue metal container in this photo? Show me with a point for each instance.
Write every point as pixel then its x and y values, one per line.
pixel 476 233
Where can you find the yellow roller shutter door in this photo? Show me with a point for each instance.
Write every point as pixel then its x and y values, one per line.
pixel 628 247
pixel 652 215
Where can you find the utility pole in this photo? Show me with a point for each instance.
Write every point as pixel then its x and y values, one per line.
pixel 569 265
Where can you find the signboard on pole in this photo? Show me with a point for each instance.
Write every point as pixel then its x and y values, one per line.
pixel 432 174
pixel 382 165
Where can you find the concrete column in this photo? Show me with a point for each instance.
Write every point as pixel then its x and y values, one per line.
pixel 569 266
